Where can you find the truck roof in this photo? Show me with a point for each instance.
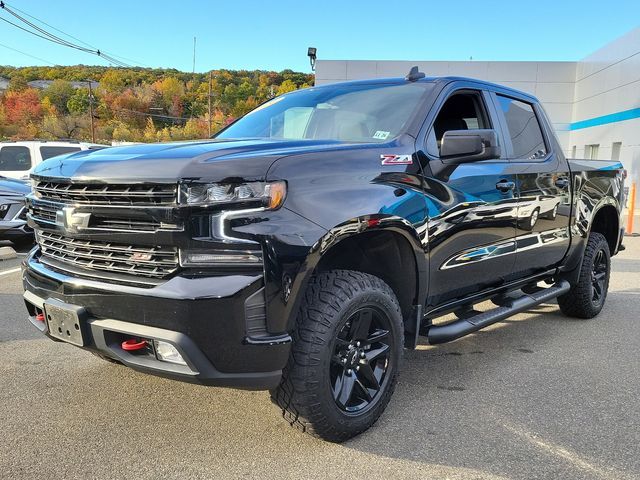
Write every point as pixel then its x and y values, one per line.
pixel 438 80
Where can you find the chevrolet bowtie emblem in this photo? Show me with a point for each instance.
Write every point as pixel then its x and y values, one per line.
pixel 71 220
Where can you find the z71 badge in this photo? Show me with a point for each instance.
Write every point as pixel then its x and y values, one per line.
pixel 396 160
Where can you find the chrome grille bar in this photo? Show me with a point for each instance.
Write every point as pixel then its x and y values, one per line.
pixel 107 194
pixel 152 262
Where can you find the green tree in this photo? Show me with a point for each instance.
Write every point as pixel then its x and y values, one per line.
pixel 78 103
pixel 59 93
pixel 18 83
pixel 286 87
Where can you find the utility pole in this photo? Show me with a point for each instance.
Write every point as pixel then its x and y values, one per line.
pixel 93 131
pixel 209 98
pixel 193 70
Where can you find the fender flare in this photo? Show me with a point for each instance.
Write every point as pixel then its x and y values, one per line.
pixel 417 239
pixel 572 272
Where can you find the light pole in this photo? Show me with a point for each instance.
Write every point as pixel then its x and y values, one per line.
pixel 311 53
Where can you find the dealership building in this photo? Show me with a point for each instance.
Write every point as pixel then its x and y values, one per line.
pixel 593 103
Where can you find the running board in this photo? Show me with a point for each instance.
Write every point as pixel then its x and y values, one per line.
pixel 459 328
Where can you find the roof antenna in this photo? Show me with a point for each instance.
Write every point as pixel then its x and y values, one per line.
pixel 414 74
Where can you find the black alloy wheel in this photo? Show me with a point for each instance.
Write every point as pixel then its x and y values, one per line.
pixel 589 291
pixel 599 273
pixel 345 355
pixel 361 359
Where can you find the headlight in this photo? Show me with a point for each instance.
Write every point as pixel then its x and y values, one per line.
pixel 269 194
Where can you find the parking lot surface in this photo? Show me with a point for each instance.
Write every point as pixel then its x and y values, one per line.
pixel 536 396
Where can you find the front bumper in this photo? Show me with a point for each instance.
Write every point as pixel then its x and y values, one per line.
pixel 203 317
pixel 14 230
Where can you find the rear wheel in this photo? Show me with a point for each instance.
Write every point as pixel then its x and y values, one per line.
pixel 586 298
pixel 345 356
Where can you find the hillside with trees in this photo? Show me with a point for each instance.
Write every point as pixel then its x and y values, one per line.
pixel 137 105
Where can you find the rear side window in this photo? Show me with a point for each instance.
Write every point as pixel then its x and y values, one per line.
pixel 524 129
pixel 48 152
pixel 14 158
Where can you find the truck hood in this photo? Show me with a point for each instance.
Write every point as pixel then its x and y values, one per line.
pixel 211 160
pixel 13 188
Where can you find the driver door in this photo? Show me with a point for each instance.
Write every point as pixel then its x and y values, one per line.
pixel 472 206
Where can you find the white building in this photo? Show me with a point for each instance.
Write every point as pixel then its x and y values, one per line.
pixel 594 103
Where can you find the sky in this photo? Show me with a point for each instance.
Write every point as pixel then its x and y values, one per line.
pixel 275 34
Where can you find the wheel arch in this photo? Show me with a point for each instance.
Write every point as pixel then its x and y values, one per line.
pixel 605 220
pixel 388 247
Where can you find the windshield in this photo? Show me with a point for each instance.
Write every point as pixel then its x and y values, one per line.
pixel 346 113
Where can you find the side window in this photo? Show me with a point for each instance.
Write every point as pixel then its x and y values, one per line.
pixel 523 128
pixel 14 158
pixel 48 152
pixel 461 111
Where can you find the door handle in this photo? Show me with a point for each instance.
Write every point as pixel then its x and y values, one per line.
pixel 505 186
pixel 562 182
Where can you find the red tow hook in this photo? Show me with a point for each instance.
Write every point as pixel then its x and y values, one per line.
pixel 132 345
pixel 40 317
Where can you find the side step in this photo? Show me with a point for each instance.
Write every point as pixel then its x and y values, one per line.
pixel 459 328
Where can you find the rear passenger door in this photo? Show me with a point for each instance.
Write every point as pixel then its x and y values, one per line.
pixel 542 174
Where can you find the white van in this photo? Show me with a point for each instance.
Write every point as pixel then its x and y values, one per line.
pixel 18 159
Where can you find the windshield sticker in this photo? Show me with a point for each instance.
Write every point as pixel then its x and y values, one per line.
pixel 381 135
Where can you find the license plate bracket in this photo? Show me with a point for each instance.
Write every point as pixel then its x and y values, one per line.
pixel 65 321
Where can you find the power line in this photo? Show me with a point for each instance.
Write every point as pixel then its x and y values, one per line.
pixel 44 34
pixel 74 38
pixel 26 54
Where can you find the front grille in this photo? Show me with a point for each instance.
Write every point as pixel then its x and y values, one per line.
pixel 126 224
pixel 46 213
pixel 107 194
pixel 150 262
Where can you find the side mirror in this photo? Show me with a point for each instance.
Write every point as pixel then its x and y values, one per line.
pixel 463 146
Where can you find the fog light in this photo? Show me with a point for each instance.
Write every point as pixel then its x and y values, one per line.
pixel 168 353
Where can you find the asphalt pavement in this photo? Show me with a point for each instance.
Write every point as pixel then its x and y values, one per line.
pixel 536 396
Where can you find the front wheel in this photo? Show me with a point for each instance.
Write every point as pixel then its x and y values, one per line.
pixel 531 220
pixel 345 357
pixel 586 298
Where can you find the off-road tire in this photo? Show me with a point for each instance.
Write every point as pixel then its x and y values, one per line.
pixel 578 302
pixel 305 394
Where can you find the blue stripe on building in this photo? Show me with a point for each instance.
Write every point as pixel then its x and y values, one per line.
pixel 605 119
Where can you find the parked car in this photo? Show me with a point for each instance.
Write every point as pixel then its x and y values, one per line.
pixel 309 242
pixel 13 211
pixel 18 159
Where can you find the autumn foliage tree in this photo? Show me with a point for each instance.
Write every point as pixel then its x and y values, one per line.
pixel 133 104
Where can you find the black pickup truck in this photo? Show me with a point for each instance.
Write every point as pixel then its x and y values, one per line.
pixel 305 245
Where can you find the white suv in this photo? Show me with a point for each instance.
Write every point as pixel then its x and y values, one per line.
pixel 18 159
